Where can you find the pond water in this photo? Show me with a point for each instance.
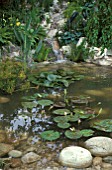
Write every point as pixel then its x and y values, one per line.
pixel 97 84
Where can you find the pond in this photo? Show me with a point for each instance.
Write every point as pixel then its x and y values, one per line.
pixel 27 126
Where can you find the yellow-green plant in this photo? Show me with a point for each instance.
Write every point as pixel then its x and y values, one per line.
pixel 12 76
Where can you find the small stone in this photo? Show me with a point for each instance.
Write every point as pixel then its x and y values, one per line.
pixel 15 153
pixel 75 157
pixel 97 161
pixel 52 33
pixel 15 162
pixel 99 146
pixel 30 157
pixel 108 159
pixel 5 148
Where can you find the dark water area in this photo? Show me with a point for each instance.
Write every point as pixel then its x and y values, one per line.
pixel 97 84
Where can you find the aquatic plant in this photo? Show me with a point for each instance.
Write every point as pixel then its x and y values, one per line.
pixel 103 125
pixel 50 135
pixel 54 79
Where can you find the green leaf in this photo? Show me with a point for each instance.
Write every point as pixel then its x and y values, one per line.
pixel 45 102
pixel 53 77
pixel 64 125
pixel 73 134
pixel 50 135
pixel 61 119
pixel 61 111
pixel 103 125
pixel 87 132
pixel 39 47
pixel 72 118
pixel 29 105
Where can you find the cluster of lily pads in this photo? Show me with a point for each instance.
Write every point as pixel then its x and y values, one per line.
pixel 68 113
pixel 67 121
pixel 55 79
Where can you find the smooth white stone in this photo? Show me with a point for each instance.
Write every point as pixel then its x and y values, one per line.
pixel 99 146
pixel 75 157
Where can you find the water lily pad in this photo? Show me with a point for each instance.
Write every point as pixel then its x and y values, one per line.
pixel 61 111
pixel 45 102
pixel 53 77
pixel 84 114
pixel 87 132
pixel 50 135
pixel 61 119
pixel 64 125
pixel 29 105
pixel 73 134
pixel 103 125
pixel 72 118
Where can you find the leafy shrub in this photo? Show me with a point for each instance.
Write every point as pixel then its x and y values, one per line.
pixel 12 76
pixel 99 29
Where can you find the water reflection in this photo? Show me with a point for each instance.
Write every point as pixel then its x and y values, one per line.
pixel 97 84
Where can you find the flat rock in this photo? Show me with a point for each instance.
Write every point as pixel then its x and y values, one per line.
pixel 30 157
pixel 108 159
pixel 5 148
pixel 75 157
pixel 99 146
pixel 15 153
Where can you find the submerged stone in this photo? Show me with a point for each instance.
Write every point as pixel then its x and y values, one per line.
pixel 5 148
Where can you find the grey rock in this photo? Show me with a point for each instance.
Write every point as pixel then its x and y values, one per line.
pixel 99 146
pixel 15 154
pixel 108 159
pixel 30 157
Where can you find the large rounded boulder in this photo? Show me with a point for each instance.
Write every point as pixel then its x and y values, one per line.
pixel 75 157
pixel 99 146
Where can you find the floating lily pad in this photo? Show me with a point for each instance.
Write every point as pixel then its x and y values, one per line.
pixel 103 125
pixel 45 102
pixel 61 119
pixel 61 111
pixel 84 114
pixel 72 118
pixel 50 135
pixel 73 134
pixel 86 132
pixel 64 125
pixel 29 105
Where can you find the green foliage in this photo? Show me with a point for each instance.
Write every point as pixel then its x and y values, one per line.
pixel 41 53
pixel 76 134
pixel 103 125
pixel 50 135
pixel 54 79
pixel 45 4
pixel 45 102
pixel 12 76
pixel 99 29
pixel 80 53
pixel 5 35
